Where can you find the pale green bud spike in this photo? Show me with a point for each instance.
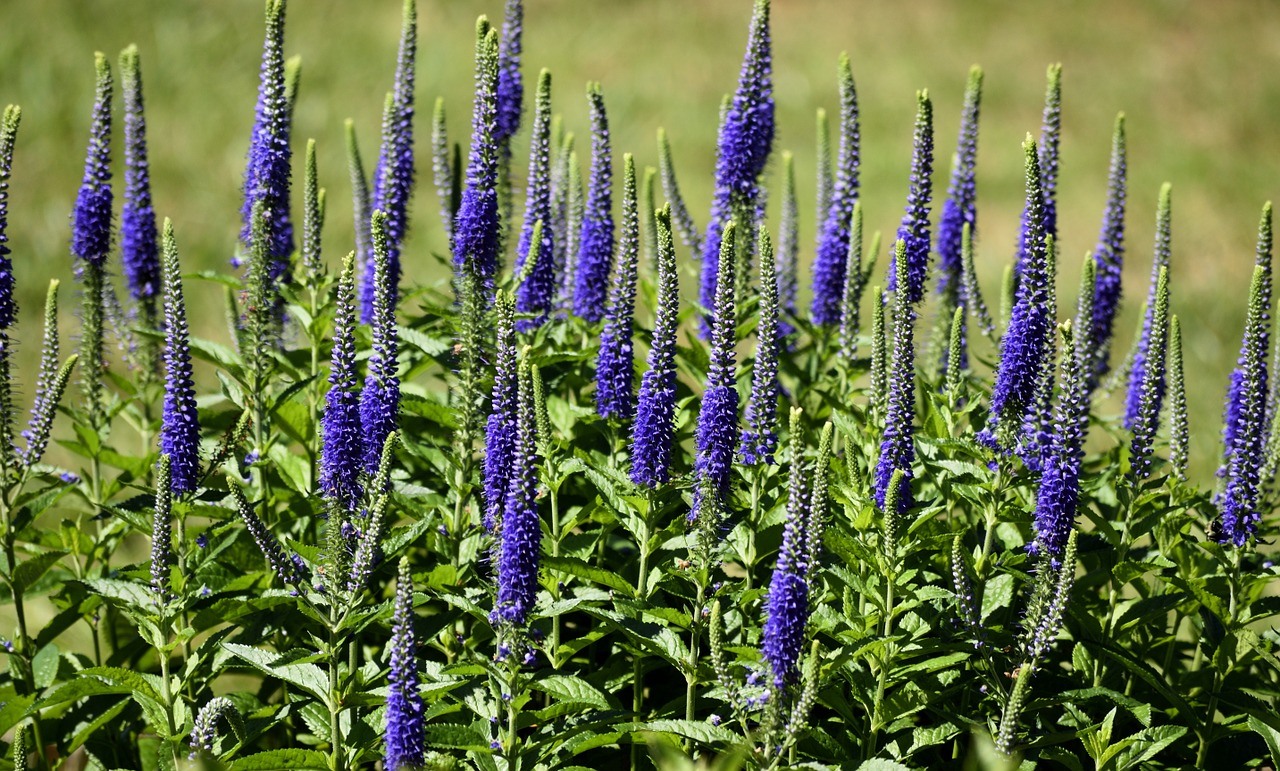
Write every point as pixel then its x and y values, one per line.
pixel 1179 435
pixel 680 217
pixel 648 206
pixel 955 352
pixel 535 254
pixel 826 178
pixel 292 82
pixel 359 191
pixel 850 302
pixel 879 353
pixel 1008 290
pixel 972 290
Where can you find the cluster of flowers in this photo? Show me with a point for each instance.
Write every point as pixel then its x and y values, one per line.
pixel 569 261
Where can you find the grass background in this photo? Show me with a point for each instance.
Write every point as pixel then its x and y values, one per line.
pixel 1197 82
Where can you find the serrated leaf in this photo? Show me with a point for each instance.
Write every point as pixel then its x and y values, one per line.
pixel 454 736
pixel 1270 735
pixel 880 764
pixel 996 594
pixel 306 676
pixel 566 688
pixel 701 732
pixel 44 665
pixel 127 592
pixel 576 567
pixel 29 571
pixel 282 760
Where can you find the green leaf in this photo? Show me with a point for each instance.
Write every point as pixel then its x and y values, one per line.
pixel 880 764
pixel 455 737
pixel 1270 735
pixel 308 677
pixel 576 567
pixel 1142 746
pixel 282 760
pixel 28 572
pixel 997 593
pixel 572 689
pixel 699 731
pixel 44 665
pixel 127 592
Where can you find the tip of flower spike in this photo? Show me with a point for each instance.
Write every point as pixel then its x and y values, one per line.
pixel 129 60
pixel 101 64
pixel 482 28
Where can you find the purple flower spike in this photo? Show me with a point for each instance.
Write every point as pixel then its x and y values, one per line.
pixel 760 440
pixel 1239 504
pixel 500 430
pixel 342 445
pixel 91 220
pixel 510 91
pixel 897 449
pixel 180 424
pixel 1047 158
pixel 1059 491
pixel 476 229
pixel 655 411
pixel 380 399
pixel 615 366
pixel 960 209
pixel 1160 259
pixel 393 178
pixel 1109 254
pixel 406 721
pixel 139 251
pixel 746 139
pixel 520 532
pixel 833 246
pixel 716 437
pixel 595 248
pixel 267 174
pixel 8 134
pixel 1025 345
pixel 914 231
pixel 787 605
pixel 536 294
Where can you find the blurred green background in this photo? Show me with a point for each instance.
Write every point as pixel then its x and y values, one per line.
pixel 1197 81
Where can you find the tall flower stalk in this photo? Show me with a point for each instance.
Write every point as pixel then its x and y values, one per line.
pixel 745 142
pixel 139 250
pixel 595 244
pixel 536 293
pixel 1109 253
pixel 501 427
pixel 91 239
pixel 342 445
pixel 897 449
pixel 267 174
pixel 833 245
pixel 180 424
pixel 476 228
pixel 960 210
pixel 1025 344
pixel 1059 492
pixel 914 230
pixel 716 437
pixel 615 367
pixel 1138 369
pixel 380 399
pixel 760 440
pixel 405 721
pixel 393 178
pixel 654 428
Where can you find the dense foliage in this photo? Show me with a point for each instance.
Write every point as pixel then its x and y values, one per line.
pixel 471 525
